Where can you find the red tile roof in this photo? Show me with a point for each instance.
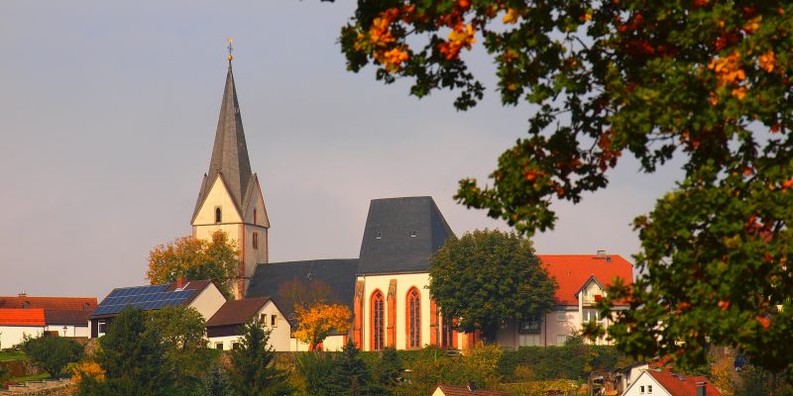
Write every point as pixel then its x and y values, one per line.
pixel 449 390
pixel 572 271
pixel 682 385
pixel 55 303
pixel 21 317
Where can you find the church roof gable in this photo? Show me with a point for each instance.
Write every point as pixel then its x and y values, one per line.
pixel 401 235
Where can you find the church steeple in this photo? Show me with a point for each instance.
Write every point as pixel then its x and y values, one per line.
pixel 230 153
pixel 230 198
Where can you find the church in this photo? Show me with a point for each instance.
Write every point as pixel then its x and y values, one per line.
pixel 386 287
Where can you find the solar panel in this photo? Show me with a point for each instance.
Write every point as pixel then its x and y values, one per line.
pixel 143 297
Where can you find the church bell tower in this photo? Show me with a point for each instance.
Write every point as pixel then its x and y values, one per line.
pixel 230 198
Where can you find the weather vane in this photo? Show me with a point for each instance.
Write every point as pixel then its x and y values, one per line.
pixel 231 49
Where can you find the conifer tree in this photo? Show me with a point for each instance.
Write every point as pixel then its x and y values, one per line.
pixel 252 369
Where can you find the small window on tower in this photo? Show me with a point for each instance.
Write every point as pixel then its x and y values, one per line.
pixel 255 240
pixel 254 216
pixel 218 215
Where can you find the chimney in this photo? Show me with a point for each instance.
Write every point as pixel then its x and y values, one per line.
pixel 180 282
pixel 601 253
pixel 701 389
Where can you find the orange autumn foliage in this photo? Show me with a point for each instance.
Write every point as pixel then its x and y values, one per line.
pixel 317 322
pixel 87 369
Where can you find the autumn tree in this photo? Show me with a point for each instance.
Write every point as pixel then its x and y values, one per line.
pixel 487 278
pixel 706 82
pixel 196 259
pixel 317 322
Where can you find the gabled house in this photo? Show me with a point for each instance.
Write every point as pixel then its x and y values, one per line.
pixel 202 295
pixel 582 281
pixel 224 328
pixel 34 316
pixel 449 390
pixel 666 383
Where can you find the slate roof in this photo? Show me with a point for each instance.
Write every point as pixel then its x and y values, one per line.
pixel 339 274
pixel 237 311
pixel 230 153
pixel 22 317
pixel 401 234
pixel 678 384
pixel 572 271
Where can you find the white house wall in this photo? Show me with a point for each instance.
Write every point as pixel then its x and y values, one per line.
pixel 208 301
pixel 13 335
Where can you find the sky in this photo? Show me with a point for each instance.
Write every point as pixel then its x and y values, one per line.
pixel 108 114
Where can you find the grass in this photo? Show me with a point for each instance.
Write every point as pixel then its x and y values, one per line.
pixel 11 355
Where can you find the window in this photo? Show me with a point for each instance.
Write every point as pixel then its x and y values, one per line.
pixel 254 215
pixel 378 317
pixel 235 345
pixel 274 321
pixel 414 318
pixel 218 215
pixel 255 240
pixel 561 317
pixel 641 389
pixel 649 389
pixel 219 346
pixel 101 327
pixel 263 319
pixel 529 340
pixel 447 333
pixel 590 315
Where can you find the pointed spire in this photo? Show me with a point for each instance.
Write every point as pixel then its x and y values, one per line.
pixel 230 153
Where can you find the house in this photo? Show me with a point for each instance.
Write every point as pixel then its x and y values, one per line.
pixel 582 280
pixel 224 328
pixel 448 390
pixel 202 295
pixel 34 316
pixel 666 383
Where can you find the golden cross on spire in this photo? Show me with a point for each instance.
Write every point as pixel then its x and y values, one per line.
pixel 231 48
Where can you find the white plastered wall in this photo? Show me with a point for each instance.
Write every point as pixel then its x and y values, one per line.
pixel 13 335
pixel 279 333
pixel 208 301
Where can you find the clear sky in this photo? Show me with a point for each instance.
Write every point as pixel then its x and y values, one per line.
pixel 108 116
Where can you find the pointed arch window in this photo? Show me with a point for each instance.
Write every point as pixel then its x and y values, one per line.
pixel 218 215
pixel 254 215
pixel 414 318
pixel 378 319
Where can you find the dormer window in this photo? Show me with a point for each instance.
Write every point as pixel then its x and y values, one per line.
pixel 413 234
pixel 379 235
pixel 218 215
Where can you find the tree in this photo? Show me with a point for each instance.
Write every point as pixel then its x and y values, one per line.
pixel 133 358
pixel 52 353
pixel 252 370
pixel 702 81
pixel 487 278
pixel 196 259
pixel 180 330
pixel 318 321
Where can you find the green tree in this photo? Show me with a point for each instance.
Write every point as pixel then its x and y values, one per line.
pixel 52 353
pixel 706 82
pixel 388 371
pixel 352 372
pixel 252 370
pixel 196 259
pixel 180 330
pixel 133 358
pixel 487 278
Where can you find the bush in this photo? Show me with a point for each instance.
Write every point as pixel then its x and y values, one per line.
pixel 52 353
